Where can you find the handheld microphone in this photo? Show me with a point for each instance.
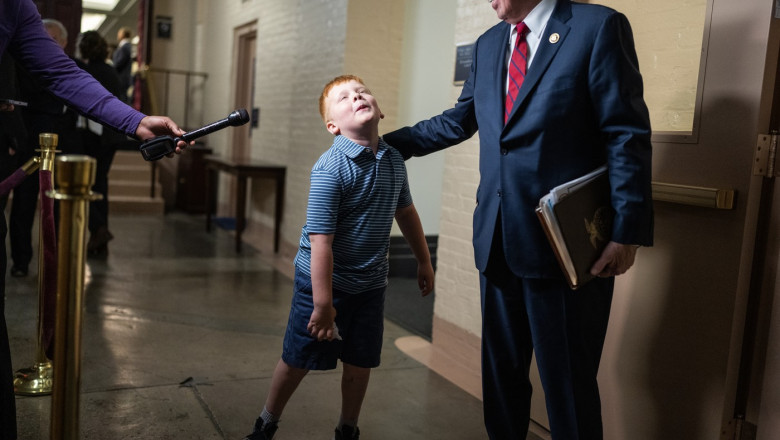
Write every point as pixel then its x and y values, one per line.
pixel 161 146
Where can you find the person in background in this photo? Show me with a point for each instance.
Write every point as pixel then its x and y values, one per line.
pixel 12 133
pixel 43 114
pixel 554 92
pixel 357 187
pixel 23 36
pixel 123 61
pixel 98 141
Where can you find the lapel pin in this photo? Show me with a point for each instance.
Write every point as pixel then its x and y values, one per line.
pixel 554 38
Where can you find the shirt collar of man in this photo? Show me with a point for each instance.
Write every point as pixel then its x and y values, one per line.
pixel 536 20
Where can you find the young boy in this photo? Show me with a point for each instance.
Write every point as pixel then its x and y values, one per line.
pixel 357 187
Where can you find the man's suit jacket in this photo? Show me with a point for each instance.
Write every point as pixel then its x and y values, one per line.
pixel 580 106
pixel 123 63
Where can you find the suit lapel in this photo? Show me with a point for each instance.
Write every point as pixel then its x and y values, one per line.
pixel 554 37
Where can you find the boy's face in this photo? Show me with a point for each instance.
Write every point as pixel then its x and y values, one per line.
pixel 351 109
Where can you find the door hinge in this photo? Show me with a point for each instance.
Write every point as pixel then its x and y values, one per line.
pixel 738 429
pixel 766 153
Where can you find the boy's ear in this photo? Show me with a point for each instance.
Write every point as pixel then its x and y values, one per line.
pixel 332 128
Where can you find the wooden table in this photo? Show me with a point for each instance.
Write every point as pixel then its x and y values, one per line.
pixel 245 170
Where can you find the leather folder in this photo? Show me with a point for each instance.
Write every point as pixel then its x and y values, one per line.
pixel 577 219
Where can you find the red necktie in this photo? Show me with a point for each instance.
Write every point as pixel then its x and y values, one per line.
pixel 517 69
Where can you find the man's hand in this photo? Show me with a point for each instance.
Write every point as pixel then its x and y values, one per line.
pixel 152 126
pixel 615 260
pixel 6 107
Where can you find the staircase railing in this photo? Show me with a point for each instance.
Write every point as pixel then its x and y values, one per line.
pixel 183 103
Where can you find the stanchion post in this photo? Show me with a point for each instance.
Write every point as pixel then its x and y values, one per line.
pixel 37 379
pixel 74 177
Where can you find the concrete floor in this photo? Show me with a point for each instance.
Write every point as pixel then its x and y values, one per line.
pixel 180 338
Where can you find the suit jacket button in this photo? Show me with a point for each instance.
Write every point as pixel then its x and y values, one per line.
pixel 504 151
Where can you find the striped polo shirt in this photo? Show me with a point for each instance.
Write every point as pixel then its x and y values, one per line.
pixel 354 196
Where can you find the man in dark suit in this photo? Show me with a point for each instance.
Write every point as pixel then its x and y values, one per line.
pixel 123 61
pixel 580 105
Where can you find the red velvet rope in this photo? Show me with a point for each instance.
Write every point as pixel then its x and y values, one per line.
pixel 49 271
pixel 11 181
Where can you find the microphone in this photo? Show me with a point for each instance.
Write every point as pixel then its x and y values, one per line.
pixel 161 146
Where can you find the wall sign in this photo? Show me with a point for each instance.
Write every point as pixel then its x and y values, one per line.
pixel 463 58
pixel 164 25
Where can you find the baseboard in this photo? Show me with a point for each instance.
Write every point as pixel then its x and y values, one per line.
pixel 261 237
pixel 454 354
pixel 402 261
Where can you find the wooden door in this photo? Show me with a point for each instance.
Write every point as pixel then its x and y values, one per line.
pixel 245 67
pixel 675 349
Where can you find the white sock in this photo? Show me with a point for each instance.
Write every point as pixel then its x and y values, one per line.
pixel 267 417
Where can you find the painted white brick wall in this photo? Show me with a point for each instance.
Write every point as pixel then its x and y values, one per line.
pixel 457 290
pixel 373 51
pixel 668 35
pixel 301 45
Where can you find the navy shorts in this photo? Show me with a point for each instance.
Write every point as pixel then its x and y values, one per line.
pixel 359 318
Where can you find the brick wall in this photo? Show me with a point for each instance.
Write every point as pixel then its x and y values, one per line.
pixel 301 45
pixel 668 36
pixel 457 291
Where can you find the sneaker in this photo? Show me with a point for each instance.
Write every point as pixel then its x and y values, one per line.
pixel 262 431
pixel 347 433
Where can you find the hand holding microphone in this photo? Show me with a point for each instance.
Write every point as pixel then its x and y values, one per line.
pixel 161 146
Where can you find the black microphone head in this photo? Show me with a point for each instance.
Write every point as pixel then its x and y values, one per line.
pixel 238 117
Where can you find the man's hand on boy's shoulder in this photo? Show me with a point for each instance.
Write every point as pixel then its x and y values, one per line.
pixel 425 278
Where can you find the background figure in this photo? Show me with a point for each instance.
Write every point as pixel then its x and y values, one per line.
pixel 123 62
pixel 554 92
pixel 44 114
pixel 23 36
pixel 12 133
pixel 98 141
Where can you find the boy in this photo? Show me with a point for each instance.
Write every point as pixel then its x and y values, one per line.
pixel 357 187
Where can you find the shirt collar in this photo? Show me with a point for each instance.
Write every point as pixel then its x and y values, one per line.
pixel 353 150
pixel 536 20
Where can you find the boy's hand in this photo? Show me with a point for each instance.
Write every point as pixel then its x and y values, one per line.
pixel 425 278
pixel 321 323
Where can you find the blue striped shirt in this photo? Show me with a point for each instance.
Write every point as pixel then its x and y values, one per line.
pixel 354 196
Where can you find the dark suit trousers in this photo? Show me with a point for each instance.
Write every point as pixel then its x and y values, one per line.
pixel 564 328
pixel 7 398
pixel 21 219
pixel 104 156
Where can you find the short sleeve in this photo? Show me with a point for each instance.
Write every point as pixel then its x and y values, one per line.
pixel 324 200
pixel 405 195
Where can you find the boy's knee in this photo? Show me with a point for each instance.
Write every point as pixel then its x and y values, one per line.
pixel 353 373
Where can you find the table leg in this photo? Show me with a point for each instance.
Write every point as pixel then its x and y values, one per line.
pixel 208 180
pixel 240 210
pixel 279 209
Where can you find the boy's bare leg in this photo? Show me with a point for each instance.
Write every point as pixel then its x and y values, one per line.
pixel 283 384
pixel 354 382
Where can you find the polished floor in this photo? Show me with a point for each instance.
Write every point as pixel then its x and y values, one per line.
pixel 180 338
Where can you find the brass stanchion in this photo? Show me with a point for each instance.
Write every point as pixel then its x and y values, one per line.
pixel 75 176
pixel 37 379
